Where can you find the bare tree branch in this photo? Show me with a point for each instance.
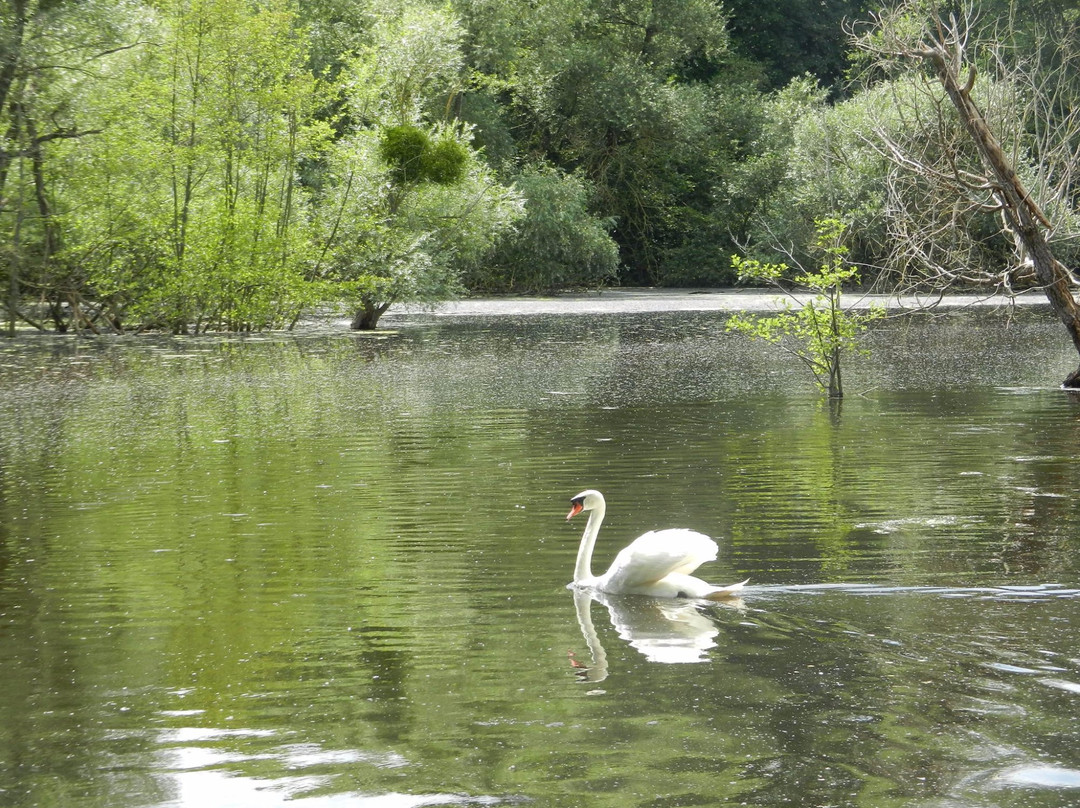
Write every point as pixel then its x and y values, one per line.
pixel 976 171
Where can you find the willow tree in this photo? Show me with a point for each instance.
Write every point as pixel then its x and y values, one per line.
pixel 408 204
pixel 53 54
pixel 1016 163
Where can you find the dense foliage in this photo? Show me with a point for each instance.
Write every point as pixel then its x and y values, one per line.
pixel 205 164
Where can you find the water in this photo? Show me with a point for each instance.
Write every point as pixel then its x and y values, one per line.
pixel 329 570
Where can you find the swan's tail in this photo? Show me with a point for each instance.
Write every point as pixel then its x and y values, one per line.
pixel 725 592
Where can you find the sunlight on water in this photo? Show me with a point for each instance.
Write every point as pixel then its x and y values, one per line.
pixel 330 570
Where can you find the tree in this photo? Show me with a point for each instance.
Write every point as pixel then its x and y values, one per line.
pixel 51 53
pixel 980 173
pixel 818 331
pixel 620 92
pixel 408 205
pixel 184 211
pixel 826 164
pixel 557 244
pixel 794 38
pixel 386 240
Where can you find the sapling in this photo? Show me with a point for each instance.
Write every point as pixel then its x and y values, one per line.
pixel 818 330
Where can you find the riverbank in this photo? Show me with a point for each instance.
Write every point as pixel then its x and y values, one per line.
pixel 646 300
pixel 643 300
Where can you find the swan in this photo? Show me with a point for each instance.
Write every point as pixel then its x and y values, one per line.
pixel 657 563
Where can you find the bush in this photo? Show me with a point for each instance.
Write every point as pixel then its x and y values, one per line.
pixel 559 243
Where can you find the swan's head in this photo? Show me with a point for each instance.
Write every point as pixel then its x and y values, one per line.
pixel 585 501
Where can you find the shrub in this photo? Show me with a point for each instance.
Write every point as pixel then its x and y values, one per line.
pixel 558 244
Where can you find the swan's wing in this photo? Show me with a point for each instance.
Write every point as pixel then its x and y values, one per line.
pixel 656 554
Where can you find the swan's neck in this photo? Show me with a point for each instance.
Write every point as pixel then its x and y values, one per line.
pixel 583 568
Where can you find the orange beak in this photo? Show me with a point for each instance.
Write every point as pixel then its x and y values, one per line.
pixel 575 509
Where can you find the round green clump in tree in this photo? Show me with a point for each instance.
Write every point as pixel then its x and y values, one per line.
pixel 444 162
pixel 403 148
pixel 415 157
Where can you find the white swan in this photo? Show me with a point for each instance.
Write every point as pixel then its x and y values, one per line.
pixel 657 563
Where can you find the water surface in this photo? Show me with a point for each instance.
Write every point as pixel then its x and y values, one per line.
pixel 329 570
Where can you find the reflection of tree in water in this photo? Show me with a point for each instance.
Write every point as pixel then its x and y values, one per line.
pixel 389 681
pixel 1037 536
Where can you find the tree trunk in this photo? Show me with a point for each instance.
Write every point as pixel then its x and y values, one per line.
pixel 836 386
pixel 10 58
pixel 1020 210
pixel 367 316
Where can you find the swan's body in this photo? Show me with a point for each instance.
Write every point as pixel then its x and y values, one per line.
pixel 657 563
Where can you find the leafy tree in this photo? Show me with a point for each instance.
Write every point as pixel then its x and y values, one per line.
pixel 812 156
pixel 382 243
pixel 186 211
pixel 757 206
pixel 794 38
pixel 52 55
pixel 614 91
pixel 819 330
pixel 409 204
pixel 557 244
pixel 335 29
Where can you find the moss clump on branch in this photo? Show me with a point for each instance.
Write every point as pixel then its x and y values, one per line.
pixel 414 157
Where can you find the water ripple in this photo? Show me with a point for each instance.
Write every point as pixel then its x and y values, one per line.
pixel 997 593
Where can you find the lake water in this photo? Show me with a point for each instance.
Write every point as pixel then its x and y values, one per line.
pixel 329 570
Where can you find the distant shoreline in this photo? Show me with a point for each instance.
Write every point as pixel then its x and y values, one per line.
pixel 629 301
pixel 648 300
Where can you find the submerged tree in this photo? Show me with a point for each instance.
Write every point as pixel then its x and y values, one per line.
pixel 1017 163
pixel 53 56
pixel 184 210
pixel 386 238
pixel 818 330
pixel 408 205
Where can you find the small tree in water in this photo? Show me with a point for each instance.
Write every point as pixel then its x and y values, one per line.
pixel 819 330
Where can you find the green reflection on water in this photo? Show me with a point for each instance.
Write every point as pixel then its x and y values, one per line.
pixel 243 571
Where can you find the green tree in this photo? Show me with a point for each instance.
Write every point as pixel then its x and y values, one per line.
pixel 792 38
pixel 818 330
pixel 813 155
pixel 557 244
pixel 190 214
pixel 619 91
pixel 53 54
pixel 384 242
pixel 408 204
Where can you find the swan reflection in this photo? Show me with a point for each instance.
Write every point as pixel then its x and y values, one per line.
pixel 663 630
